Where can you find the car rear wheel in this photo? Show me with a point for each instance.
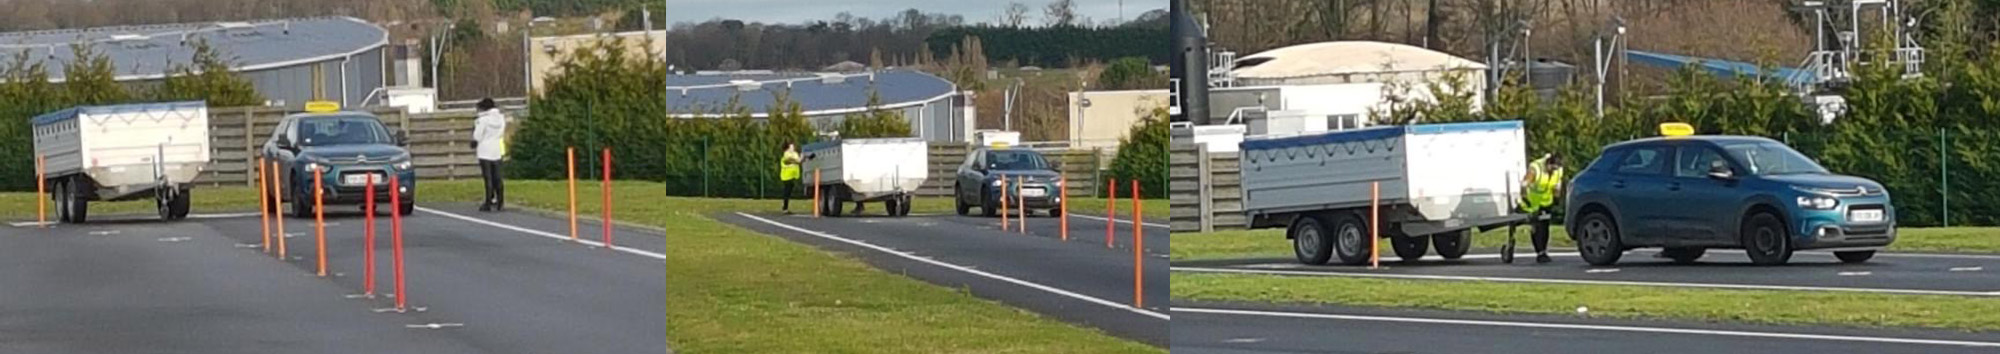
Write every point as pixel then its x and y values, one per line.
pixel 1854 256
pixel 1411 248
pixel 1452 245
pixel 958 202
pixel 1765 240
pixel 1683 255
pixel 1350 240
pixel 1309 240
pixel 1597 241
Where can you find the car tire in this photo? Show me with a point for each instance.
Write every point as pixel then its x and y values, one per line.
pixel 1597 239
pixel 1452 245
pixel 1854 256
pixel 1684 255
pixel 1310 240
pixel 1055 212
pixel 1765 240
pixel 1411 248
pixel 958 202
pixel 987 206
pixel 301 205
pixel 1350 239
pixel 406 208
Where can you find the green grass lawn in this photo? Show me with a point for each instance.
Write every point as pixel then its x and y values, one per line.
pixel 731 290
pixel 1774 307
pixel 1272 243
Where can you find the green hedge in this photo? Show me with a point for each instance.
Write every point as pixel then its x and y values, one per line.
pixel 1142 156
pixel 1058 45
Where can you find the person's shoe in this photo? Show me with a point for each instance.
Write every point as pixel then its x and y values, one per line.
pixel 1543 258
pixel 485 207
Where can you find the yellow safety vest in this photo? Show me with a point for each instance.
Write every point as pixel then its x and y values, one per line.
pixel 1541 193
pixel 788 166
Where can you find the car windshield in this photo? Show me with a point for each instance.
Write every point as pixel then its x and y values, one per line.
pixel 341 131
pixel 1015 161
pixel 1772 158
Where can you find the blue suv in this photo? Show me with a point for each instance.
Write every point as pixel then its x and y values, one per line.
pixel 346 148
pixel 1691 193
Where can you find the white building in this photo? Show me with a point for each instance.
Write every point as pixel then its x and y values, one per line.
pixel 1335 83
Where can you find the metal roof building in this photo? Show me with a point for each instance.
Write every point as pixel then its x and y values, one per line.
pixel 290 61
pixel 937 111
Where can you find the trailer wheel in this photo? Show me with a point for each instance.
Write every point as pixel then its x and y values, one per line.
pixel 909 202
pixel 834 201
pixel 79 207
pixel 1452 245
pixel 1411 248
pixel 1350 240
pixel 1309 240
pixel 173 204
pixel 60 196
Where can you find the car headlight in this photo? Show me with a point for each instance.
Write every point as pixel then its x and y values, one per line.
pixel 315 167
pixel 1818 202
pixel 999 181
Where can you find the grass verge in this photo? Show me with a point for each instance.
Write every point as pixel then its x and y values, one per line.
pixel 1271 242
pixel 731 290
pixel 1770 307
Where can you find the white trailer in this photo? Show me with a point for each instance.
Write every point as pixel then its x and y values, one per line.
pixel 123 152
pixel 867 170
pixel 1436 182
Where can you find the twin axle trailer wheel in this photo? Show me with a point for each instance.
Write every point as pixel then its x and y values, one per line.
pixel 1318 238
pixel 834 199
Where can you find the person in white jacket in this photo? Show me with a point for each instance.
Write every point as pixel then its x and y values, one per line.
pixel 490 146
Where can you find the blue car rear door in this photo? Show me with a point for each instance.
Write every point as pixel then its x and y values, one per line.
pixel 1639 187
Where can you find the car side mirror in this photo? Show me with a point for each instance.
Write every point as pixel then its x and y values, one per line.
pixel 402 138
pixel 285 143
pixel 1721 173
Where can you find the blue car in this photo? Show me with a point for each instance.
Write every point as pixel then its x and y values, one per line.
pixel 1688 193
pixel 347 148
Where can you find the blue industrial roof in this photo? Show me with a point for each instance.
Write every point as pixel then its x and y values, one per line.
pixel 711 94
pixel 1720 67
pixel 72 112
pixel 149 51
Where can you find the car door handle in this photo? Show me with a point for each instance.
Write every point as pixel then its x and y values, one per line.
pixel 1617 184
pixel 1675 186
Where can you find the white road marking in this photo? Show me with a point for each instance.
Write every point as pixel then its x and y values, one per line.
pixel 433 325
pixel 543 234
pixel 907 255
pixel 1967 269
pixel 1588 282
pixel 1124 221
pixel 30 223
pixel 1243 340
pixel 1854 274
pixel 221 216
pixel 175 239
pixel 1601 270
pixel 1710 332
pixel 105 232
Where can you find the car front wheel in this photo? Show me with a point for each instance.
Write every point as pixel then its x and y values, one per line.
pixel 1765 239
pixel 1854 256
pixel 1598 239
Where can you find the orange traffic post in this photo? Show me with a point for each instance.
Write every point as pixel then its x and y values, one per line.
pixel 572 193
pixel 815 186
pixel 319 221
pixel 396 239
pixel 1110 210
pixel 1023 197
pixel 1138 249
pixel 1003 203
pixel 368 240
pixel 1062 190
pixel 278 216
pixel 41 203
pixel 1374 225
pixel 607 198
pixel 263 205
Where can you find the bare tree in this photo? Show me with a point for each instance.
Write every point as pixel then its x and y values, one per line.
pixel 1060 13
pixel 1016 15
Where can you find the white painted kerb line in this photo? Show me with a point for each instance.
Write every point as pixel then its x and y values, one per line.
pixel 1127 222
pixel 1587 282
pixel 545 234
pixel 977 272
pixel 1596 327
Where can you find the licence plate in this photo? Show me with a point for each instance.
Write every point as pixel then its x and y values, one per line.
pixel 1034 192
pixel 358 179
pixel 1865 215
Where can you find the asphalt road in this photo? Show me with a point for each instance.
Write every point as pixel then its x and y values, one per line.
pixel 201 286
pixel 1976 275
pixel 1245 329
pixel 1079 281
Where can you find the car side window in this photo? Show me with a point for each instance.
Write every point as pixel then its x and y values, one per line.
pixel 1649 160
pixel 1695 161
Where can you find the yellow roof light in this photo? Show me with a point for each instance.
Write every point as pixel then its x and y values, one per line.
pixel 322 107
pixel 1676 129
pixel 999 145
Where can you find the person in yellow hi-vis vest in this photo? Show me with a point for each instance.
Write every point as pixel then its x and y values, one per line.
pixel 1541 187
pixel 788 172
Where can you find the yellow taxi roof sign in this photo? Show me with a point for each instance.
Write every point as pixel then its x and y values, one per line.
pixel 1676 129
pixel 999 145
pixel 322 107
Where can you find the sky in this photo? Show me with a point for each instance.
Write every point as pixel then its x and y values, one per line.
pixel 798 11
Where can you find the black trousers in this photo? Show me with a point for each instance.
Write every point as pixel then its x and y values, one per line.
pixel 1540 234
pixel 496 191
pixel 788 193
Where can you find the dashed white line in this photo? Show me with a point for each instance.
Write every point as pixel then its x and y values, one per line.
pixel 1710 332
pixel 1587 282
pixel 908 255
pixel 543 234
